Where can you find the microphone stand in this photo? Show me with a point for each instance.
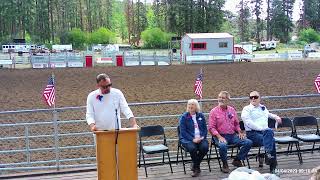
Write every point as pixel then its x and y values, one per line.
pixel 116 144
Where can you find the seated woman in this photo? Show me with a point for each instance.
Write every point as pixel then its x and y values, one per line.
pixel 193 134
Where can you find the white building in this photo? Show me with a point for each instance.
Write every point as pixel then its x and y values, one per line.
pixel 207 46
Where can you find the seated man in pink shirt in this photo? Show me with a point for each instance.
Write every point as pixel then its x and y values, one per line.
pixel 225 130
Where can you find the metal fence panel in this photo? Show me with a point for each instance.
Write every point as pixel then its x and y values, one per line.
pixel 47 139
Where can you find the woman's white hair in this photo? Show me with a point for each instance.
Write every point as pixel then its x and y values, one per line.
pixel 195 102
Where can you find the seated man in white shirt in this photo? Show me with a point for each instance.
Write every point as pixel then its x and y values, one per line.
pixel 255 117
pixel 104 106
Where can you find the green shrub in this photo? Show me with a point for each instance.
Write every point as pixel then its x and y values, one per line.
pixel 102 36
pixel 155 38
pixel 77 38
pixel 309 35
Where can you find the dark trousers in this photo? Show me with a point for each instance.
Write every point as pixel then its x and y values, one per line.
pixel 264 138
pixel 197 151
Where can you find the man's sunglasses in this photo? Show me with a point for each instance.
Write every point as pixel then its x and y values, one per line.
pixel 254 97
pixel 106 86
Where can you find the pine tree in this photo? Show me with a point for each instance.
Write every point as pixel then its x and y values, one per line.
pixel 281 19
pixel 257 12
pixel 243 21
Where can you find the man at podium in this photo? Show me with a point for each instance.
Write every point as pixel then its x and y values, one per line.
pixel 116 149
pixel 104 106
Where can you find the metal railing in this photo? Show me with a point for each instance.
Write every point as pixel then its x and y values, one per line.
pixel 143 59
pixel 57 60
pixel 53 139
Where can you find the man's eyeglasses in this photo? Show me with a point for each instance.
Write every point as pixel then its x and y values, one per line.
pixel 254 97
pixel 106 86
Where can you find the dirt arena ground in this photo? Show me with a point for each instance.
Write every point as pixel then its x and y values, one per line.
pixel 21 89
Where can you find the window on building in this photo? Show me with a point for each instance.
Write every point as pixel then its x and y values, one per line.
pixel 199 46
pixel 223 44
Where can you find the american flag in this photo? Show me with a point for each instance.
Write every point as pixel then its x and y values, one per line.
pixel 317 83
pixel 198 85
pixel 49 92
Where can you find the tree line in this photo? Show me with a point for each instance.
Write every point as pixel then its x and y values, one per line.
pixel 87 21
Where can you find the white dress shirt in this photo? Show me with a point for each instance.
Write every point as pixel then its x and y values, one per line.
pixel 103 113
pixel 256 118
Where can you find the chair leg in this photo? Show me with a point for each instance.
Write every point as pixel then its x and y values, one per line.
pixel 163 157
pixel 169 161
pixel 144 164
pixel 299 153
pixel 139 165
pixel 184 166
pixel 313 147
pixel 288 149
pixel 291 148
pixel 248 162
pixel 178 154
pixel 231 152
pixel 210 149
pixel 208 159
pixel 217 154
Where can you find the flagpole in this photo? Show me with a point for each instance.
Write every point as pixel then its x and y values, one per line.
pixel 53 79
pixel 198 87
pixel 200 102
pixel 202 93
pixel 55 126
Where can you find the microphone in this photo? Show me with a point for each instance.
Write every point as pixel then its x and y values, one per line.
pixel 116 140
pixel 117 120
pixel 117 125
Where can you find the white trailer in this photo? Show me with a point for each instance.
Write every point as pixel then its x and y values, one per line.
pixel 268 45
pixel 64 47
pixel 207 47
pixel 15 48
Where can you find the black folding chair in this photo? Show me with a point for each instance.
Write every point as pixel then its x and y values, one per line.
pixel 230 146
pixel 149 131
pixel 182 150
pixel 306 121
pixel 290 140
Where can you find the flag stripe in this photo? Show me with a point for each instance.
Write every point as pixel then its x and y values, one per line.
pixel 198 85
pixel 49 92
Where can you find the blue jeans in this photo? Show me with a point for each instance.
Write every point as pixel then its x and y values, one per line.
pixel 197 151
pixel 264 138
pixel 245 145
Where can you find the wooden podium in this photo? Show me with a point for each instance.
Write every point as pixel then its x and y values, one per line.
pixel 127 154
